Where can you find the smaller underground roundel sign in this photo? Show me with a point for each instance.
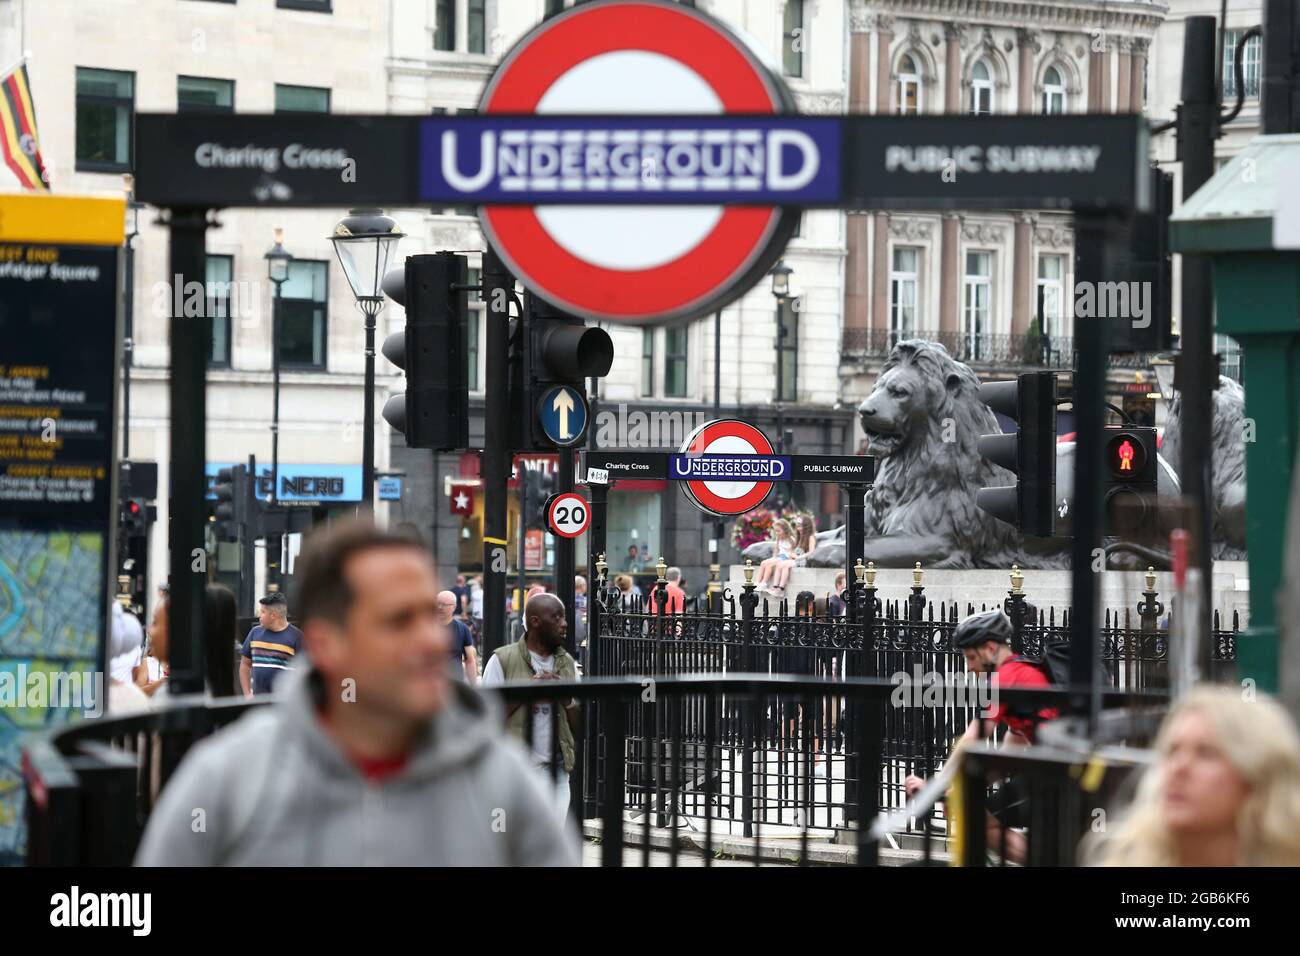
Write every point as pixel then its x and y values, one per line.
pixel 567 514
pixel 591 126
pixel 723 466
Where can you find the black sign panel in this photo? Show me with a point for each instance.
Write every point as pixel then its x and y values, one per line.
pixel 841 469
pixel 1080 163
pixel 996 162
pixel 58 374
pixel 289 159
pixel 628 464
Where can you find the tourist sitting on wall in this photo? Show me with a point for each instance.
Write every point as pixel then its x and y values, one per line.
pixel 777 568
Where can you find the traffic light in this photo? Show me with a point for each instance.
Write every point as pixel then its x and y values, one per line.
pixel 1030 452
pixel 562 353
pixel 134 516
pixel 231 489
pixel 433 351
pixel 1131 470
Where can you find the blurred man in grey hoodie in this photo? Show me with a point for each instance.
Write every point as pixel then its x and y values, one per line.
pixel 372 756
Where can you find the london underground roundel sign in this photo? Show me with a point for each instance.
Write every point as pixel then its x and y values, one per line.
pixel 732 450
pixel 642 259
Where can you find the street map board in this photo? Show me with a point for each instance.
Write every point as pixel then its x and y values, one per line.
pixel 59 295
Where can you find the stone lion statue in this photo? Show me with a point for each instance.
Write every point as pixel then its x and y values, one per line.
pixel 1228 482
pixel 922 421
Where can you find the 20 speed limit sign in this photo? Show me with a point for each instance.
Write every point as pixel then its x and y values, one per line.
pixel 567 514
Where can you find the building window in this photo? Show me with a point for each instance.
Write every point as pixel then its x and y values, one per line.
pixel 902 292
pixel 792 38
pixel 315 6
pixel 908 87
pixel 1053 91
pixel 195 94
pixel 981 89
pixel 477 17
pixel 647 361
pixel 105 119
pixel 675 361
pixel 552 8
pixel 301 99
pixel 219 274
pixel 472 324
pixel 1051 294
pixel 787 351
pixel 304 314
pixel 444 26
pixel 978 292
pixel 1249 62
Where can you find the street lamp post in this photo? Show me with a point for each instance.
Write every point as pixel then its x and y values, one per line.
pixel 277 271
pixel 365 242
pixel 780 291
pixel 128 306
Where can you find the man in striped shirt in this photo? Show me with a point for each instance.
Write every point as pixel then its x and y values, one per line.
pixel 269 648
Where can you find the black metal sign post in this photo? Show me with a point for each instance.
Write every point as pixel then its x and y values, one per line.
pixel 494 469
pixel 190 335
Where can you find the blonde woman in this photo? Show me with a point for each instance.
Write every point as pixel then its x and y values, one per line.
pixel 784 543
pixel 1224 791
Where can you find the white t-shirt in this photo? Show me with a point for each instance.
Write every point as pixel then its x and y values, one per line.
pixel 475 602
pixel 494 676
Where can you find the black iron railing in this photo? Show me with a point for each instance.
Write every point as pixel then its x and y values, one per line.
pixel 705 782
pixel 797 747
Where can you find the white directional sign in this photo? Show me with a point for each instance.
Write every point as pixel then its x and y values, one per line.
pixel 567 514
pixel 563 415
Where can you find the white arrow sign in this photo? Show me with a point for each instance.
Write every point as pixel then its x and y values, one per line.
pixel 563 404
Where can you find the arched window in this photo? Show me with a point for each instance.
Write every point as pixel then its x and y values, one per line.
pixel 981 89
pixel 908 87
pixel 1053 91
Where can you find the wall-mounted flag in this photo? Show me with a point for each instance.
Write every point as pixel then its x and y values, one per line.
pixel 18 135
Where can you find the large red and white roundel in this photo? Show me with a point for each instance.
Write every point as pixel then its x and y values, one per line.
pixel 636 263
pixel 727 436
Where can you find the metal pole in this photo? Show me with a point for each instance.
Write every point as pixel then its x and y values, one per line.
pixel 566 556
pixel 521 539
pixel 1280 83
pixel 719 526
pixel 495 461
pixel 128 345
pixel 1091 233
pixel 854 541
pixel 1198 371
pixel 368 446
pixel 187 391
pixel 275 436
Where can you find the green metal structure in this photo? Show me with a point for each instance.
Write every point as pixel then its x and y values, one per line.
pixel 1243 220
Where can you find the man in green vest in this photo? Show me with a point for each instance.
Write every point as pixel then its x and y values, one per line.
pixel 540 655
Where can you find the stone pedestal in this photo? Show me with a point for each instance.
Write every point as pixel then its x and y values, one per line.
pixel 1043 589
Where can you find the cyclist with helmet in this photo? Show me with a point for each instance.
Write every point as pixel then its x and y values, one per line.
pixel 984 640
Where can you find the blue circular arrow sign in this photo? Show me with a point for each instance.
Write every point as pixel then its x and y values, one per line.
pixel 562 413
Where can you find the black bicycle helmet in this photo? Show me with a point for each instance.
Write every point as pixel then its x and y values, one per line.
pixel 984 626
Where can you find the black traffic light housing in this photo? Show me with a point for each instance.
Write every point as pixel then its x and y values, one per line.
pixel 1030 452
pixel 433 350
pixel 1131 477
pixel 1144 260
pixel 231 490
pixel 560 350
